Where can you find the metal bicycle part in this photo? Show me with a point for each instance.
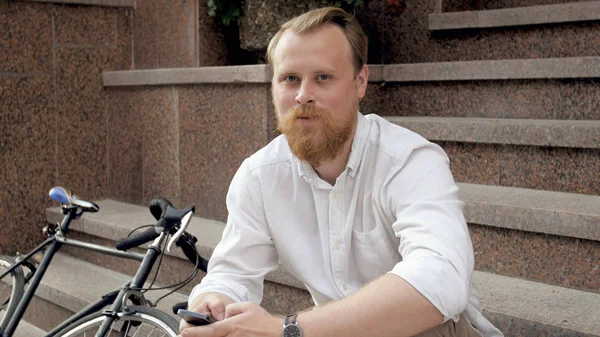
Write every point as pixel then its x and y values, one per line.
pixel 11 290
pixel 138 321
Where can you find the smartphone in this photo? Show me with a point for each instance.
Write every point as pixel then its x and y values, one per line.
pixel 194 318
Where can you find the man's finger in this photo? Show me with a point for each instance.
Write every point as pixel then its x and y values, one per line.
pixel 235 309
pixel 216 308
pixel 217 329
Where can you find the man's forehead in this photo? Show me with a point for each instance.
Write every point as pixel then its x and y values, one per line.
pixel 328 41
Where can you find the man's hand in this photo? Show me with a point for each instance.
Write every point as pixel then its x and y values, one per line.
pixel 210 304
pixel 241 320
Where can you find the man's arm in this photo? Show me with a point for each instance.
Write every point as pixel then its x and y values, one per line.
pixel 388 306
pixel 246 252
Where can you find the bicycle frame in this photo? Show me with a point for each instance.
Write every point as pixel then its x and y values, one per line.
pixel 53 245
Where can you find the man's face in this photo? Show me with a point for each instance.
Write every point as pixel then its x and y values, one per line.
pixel 316 92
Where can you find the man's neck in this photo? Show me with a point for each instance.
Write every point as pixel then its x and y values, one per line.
pixel 332 169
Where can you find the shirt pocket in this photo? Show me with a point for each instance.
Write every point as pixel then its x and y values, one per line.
pixel 373 253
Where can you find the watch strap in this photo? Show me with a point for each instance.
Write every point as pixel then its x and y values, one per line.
pixel 290 319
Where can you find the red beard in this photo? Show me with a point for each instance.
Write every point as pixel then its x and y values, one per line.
pixel 322 139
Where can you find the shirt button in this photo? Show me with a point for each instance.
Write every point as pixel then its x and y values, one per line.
pixel 336 196
pixel 344 286
pixel 336 245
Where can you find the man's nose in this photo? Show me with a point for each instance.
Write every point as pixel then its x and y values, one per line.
pixel 305 94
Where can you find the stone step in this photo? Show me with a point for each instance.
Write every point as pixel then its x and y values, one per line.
pixel 544 236
pixel 26 329
pixel 525 308
pixel 516 16
pixel 534 132
pixel 71 284
pixel 518 307
pixel 557 88
pixel 556 155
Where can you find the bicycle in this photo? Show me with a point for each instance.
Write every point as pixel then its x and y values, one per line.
pixel 123 310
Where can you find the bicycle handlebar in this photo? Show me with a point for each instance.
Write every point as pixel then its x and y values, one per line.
pixel 140 238
pixel 158 207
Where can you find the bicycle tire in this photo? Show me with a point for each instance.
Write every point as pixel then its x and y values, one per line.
pixel 11 290
pixel 88 325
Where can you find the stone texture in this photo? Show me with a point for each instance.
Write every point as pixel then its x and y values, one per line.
pixel 45 314
pixel 473 163
pixel 94 27
pixel 551 307
pixel 209 157
pixel 542 168
pixel 556 260
pixel 124 41
pixel 545 14
pixel 26 39
pixel 574 67
pixel 125 151
pixel 553 169
pixel 517 327
pixel 143 136
pixel 231 74
pixel 563 214
pixel 282 300
pixel 52 104
pixel 165 34
pixel 459 5
pixel 556 133
pixel 408 40
pixel 81 129
pixel 28 156
pixel 161 158
pixel 540 99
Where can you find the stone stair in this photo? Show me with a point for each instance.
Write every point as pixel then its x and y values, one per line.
pixel 517 305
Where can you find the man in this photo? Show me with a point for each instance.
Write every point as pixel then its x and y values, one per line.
pixel 365 213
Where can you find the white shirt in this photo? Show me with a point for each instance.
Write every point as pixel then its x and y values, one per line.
pixel 394 209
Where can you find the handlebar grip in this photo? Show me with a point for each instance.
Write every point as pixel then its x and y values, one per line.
pixel 158 207
pixel 138 239
pixel 192 254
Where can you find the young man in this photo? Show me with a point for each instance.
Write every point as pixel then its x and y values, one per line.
pixel 365 213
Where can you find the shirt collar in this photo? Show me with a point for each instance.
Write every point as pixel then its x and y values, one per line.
pixel 307 172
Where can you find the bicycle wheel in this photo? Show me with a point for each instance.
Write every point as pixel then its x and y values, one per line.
pixel 11 290
pixel 144 322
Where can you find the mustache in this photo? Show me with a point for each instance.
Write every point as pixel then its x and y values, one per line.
pixel 306 112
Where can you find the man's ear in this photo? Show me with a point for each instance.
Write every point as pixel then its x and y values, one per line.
pixel 362 79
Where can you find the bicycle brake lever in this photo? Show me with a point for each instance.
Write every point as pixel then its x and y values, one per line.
pixel 184 223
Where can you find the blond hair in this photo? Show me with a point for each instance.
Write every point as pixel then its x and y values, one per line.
pixel 323 16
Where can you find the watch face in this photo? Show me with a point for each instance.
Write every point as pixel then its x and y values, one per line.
pixel 292 331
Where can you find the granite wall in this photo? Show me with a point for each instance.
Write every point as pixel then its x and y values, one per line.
pixel 398 35
pixel 160 145
pixel 53 110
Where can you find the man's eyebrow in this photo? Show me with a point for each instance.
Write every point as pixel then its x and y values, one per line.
pixel 324 70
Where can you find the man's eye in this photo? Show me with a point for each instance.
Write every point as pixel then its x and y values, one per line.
pixel 324 77
pixel 291 78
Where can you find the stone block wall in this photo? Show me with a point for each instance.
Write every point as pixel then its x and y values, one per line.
pixel 183 143
pixel 53 109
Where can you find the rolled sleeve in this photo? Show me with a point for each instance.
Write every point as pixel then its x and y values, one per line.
pixel 246 252
pixel 437 253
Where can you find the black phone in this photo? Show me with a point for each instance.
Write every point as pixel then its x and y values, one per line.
pixel 194 318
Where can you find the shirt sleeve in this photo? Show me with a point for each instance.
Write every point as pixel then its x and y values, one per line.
pixel 436 249
pixel 246 252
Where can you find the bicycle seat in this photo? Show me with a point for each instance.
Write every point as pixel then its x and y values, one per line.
pixel 64 196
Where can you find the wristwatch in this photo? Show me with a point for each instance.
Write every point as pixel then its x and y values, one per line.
pixel 291 327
